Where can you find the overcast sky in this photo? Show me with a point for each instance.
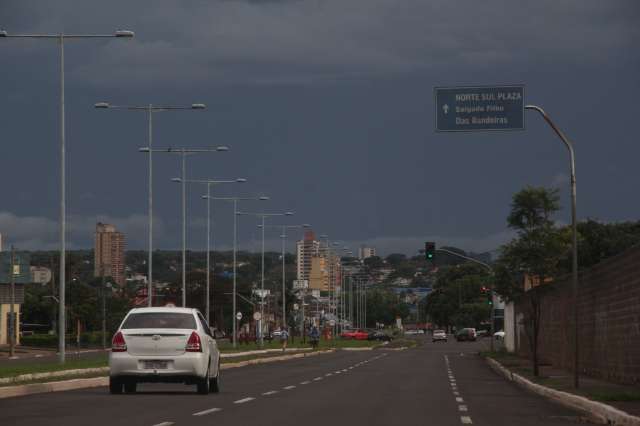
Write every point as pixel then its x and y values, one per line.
pixel 327 107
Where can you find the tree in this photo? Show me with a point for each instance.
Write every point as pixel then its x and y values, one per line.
pixel 536 253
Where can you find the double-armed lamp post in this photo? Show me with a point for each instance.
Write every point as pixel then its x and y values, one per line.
pixel 150 109
pixel 263 216
pixel 61 38
pixel 209 183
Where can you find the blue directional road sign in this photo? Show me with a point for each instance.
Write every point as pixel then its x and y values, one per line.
pixel 464 109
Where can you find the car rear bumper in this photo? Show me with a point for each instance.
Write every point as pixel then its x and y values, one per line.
pixel 187 365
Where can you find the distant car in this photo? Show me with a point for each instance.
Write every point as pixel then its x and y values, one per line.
pixel 466 334
pixel 354 335
pixel 379 335
pixel 438 336
pixel 499 335
pixel 164 345
pixel 414 331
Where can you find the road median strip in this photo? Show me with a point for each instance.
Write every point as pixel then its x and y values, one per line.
pixel 602 412
pixel 103 380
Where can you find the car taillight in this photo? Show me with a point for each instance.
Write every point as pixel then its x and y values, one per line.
pixel 118 344
pixel 194 344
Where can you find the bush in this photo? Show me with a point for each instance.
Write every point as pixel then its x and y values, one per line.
pixel 40 340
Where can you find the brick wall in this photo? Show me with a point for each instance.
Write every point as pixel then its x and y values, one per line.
pixel 609 321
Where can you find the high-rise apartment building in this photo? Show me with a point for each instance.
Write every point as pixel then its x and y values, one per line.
pixel 365 252
pixel 306 249
pixel 109 253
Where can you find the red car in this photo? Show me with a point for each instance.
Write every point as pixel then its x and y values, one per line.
pixel 354 335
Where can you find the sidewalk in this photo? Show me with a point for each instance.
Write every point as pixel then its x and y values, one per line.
pixel 622 397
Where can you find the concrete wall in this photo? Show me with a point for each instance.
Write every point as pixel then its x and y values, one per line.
pixel 609 321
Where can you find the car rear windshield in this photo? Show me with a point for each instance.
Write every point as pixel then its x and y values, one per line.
pixel 160 320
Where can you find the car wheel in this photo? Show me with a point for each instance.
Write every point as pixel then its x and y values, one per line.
pixel 130 386
pixel 115 386
pixel 214 383
pixel 203 384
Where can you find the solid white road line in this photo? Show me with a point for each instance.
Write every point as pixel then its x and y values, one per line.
pixel 289 387
pixel 270 392
pixel 466 420
pixel 209 411
pixel 463 408
pixel 458 399
pixel 243 400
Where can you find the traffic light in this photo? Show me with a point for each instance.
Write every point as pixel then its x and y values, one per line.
pixel 490 298
pixel 429 250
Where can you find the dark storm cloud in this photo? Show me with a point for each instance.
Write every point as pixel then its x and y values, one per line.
pixel 327 107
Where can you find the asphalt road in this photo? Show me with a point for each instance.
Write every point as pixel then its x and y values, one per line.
pixel 435 384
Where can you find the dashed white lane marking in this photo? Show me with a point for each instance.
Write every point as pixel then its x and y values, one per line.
pixel 328 374
pixel 289 387
pixel 458 399
pixel 456 393
pixel 344 370
pixel 466 420
pixel 164 424
pixel 463 408
pixel 350 368
pixel 243 400
pixel 271 392
pixel 317 378
pixel 306 382
pixel 205 412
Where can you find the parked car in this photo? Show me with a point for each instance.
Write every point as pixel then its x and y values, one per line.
pixel 482 333
pixel 438 336
pixel 466 334
pixel 164 345
pixel 354 335
pixel 379 335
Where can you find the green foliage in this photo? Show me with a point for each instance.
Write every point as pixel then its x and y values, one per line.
pixel 383 307
pixel 598 241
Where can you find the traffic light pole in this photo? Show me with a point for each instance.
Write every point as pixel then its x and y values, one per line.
pixel 486 265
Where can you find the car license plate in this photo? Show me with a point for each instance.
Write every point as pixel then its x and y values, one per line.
pixel 155 365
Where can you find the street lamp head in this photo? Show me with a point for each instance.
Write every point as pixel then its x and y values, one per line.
pixel 124 33
pixel 101 105
pixel 176 180
pixel 198 106
pixel 241 180
pixel 263 198
pixel 3 33
pixel 145 149
pixel 306 225
pixel 222 148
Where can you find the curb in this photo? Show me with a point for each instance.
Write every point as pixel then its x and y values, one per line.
pixel 357 349
pixel 602 412
pixel 66 385
pixel 52 374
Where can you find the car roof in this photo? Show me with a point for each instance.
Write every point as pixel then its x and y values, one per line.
pixel 165 309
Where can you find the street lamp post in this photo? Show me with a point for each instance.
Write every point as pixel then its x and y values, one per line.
pixel 574 236
pixel 61 37
pixel 183 152
pixel 262 216
pixel 150 109
pixel 284 242
pixel 208 182
pixel 235 250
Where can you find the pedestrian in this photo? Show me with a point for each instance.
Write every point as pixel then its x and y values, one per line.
pixel 314 334
pixel 284 338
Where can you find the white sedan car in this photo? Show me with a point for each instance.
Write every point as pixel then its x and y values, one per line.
pixel 164 345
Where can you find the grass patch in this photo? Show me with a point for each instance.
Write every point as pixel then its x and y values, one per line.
pixel 70 364
pixel 227 347
pixel 611 396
